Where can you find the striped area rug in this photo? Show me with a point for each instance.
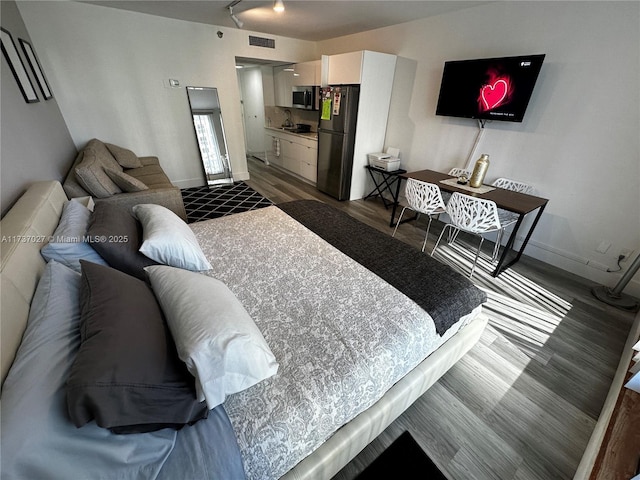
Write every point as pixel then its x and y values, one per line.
pixel 203 203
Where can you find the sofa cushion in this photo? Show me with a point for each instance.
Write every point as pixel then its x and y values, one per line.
pixel 71 185
pixel 125 182
pixel 125 158
pixel 103 155
pixel 149 161
pixel 92 177
pixel 152 176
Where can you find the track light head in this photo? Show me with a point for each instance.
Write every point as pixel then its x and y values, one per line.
pixel 239 23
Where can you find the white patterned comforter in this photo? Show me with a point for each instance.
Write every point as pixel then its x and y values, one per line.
pixel 341 335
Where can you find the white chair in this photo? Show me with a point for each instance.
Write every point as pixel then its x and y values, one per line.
pixel 512 185
pixel 458 172
pixel 472 215
pixel 509 218
pixel 424 198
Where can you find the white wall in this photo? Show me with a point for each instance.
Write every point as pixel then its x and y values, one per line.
pixel 579 142
pixel 110 70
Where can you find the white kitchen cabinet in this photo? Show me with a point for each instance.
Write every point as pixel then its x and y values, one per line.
pixel 270 153
pixel 306 73
pixel 282 85
pixel 309 168
pixel 346 68
pixel 298 154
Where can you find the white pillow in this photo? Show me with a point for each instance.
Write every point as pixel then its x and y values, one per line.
pixel 168 240
pixel 214 335
pixel 68 245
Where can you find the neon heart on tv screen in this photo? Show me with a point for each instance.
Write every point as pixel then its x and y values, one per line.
pixel 489 88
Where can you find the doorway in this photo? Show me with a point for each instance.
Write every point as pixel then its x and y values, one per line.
pixel 256 86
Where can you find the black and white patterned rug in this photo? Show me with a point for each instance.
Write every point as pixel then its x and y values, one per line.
pixel 202 203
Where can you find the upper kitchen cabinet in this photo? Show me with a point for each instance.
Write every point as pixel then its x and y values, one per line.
pixel 282 85
pixel 352 68
pixel 306 73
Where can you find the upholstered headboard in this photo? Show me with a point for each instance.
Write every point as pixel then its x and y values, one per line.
pixel 24 230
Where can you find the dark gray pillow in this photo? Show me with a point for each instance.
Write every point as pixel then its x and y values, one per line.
pixel 127 375
pixel 117 235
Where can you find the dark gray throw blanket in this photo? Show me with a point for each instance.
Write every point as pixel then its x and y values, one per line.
pixel 443 293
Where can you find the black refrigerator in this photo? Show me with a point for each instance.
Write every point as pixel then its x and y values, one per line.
pixel 336 139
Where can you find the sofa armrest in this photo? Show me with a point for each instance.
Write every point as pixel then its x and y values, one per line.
pixel 149 161
pixel 169 197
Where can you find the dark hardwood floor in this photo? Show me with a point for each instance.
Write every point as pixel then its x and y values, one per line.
pixel 523 402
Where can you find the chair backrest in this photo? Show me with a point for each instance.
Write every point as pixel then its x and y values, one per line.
pixel 458 172
pixel 423 197
pixel 513 185
pixel 472 214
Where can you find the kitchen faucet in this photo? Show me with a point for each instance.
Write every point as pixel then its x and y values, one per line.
pixel 288 122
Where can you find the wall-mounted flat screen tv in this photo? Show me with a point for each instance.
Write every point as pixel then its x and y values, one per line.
pixel 489 88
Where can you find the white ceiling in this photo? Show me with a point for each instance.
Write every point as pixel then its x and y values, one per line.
pixel 302 19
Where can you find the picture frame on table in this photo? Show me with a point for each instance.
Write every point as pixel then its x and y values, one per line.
pixel 30 53
pixel 18 69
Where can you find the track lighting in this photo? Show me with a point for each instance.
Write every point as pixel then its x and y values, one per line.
pixel 235 19
pixel 278 6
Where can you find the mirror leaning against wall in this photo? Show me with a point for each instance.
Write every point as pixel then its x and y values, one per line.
pixel 209 130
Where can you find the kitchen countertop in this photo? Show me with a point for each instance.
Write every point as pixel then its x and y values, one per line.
pixel 309 135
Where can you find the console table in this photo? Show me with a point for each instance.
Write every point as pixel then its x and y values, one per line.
pixel 385 183
pixel 516 202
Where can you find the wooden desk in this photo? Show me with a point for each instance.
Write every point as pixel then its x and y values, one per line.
pixel 519 203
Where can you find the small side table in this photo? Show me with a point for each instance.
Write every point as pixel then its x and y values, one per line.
pixel 384 182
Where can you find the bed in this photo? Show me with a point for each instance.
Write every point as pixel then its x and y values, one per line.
pixel 343 308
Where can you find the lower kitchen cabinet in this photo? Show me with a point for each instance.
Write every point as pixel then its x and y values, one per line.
pixel 297 154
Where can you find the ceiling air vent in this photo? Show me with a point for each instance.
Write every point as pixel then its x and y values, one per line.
pixel 262 42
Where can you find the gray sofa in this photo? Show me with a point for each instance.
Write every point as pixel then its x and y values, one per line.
pixel 114 174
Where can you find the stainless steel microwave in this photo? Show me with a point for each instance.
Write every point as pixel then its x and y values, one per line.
pixel 307 98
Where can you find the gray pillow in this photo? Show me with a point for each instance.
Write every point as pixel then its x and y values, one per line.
pixel 127 375
pixel 92 177
pixel 125 158
pixel 125 182
pixel 116 235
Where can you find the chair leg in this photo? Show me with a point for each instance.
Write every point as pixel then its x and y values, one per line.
pixel 444 229
pixel 475 260
pixel 453 235
pixel 398 222
pixel 496 248
pixel 424 244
